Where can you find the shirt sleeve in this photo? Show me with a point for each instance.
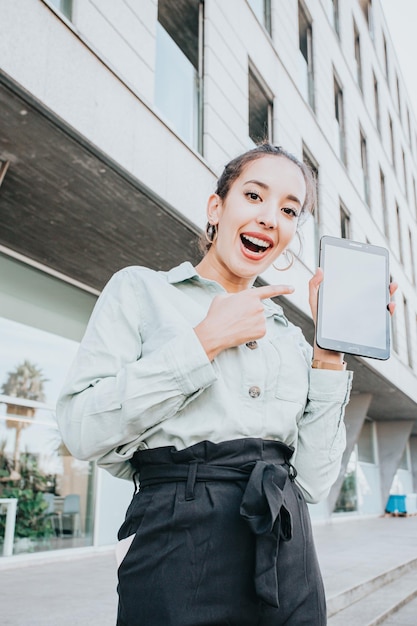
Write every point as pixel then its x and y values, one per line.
pixel 113 392
pixel 322 435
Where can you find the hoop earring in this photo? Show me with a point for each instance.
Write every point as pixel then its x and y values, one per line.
pixel 211 232
pixel 286 253
pixel 293 255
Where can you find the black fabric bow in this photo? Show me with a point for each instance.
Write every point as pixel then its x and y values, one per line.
pixel 263 507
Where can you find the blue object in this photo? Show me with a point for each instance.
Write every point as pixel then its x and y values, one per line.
pixel 396 504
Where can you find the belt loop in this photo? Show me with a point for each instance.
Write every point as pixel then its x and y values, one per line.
pixel 191 478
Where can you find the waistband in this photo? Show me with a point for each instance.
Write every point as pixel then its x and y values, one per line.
pixel 234 453
pixel 263 464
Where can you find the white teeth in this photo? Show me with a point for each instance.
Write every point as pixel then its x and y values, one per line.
pixel 258 242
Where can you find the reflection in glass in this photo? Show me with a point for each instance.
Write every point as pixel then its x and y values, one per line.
pixel 54 490
pixel 347 501
pixel 65 6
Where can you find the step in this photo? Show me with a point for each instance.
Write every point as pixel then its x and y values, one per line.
pixel 379 604
pixel 405 616
pixel 364 588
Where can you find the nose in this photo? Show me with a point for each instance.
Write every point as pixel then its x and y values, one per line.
pixel 268 217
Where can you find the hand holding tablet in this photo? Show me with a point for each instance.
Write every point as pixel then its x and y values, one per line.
pixel 353 315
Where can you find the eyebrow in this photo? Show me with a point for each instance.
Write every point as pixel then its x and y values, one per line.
pixel 265 186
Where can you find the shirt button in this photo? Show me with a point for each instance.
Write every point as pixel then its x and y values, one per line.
pixel 254 392
pixel 252 345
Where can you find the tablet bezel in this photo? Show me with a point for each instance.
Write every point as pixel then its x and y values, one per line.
pixel 338 345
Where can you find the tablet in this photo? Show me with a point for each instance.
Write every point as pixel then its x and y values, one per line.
pixel 352 315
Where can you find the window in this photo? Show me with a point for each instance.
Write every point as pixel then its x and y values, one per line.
pixel 405 173
pixel 347 501
pixel 412 257
pixel 260 109
pixel 366 6
pixel 305 33
pixel 366 443
pixel 358 60
pixel 384 202
pixel 178 70
pixel 407 332
pixel 400 238
pixel 340 120
pixel 344 222
pixel 392 141
pixel 409 127
pixel 398 96
pixel 262 10
pixel 64 6
pixel 42 320
pixel 376 103
pixel 332 8
pixel 386 65
pixel 309 160
pixel 364 164
pixel 311 228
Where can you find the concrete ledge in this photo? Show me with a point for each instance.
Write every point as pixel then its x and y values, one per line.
pixel 40 558
pixel 342 600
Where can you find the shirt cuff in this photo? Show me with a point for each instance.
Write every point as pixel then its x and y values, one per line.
pixel 329 385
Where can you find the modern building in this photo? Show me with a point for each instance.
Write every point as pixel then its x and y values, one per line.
pixel 115 119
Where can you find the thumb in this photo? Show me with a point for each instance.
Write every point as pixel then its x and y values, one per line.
pixel 317 278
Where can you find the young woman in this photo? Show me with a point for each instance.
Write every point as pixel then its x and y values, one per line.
pixel 194 383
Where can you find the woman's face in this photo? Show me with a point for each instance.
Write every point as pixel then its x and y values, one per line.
pixel 257 220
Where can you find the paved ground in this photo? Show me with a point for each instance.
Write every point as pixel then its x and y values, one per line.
pixel 71 588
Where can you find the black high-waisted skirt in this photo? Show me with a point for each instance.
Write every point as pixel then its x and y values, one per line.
pixel 220 536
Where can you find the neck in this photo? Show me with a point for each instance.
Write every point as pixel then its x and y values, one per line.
pixel 210 268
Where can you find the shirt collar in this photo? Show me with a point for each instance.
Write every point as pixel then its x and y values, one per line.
pixel 182 272
pixel 276 310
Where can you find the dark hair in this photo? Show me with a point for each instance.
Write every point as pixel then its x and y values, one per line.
pixel 235 167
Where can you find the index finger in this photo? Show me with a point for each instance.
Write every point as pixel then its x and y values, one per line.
pixel 270 291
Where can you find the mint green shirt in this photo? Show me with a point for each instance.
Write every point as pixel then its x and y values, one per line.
pixel 141 379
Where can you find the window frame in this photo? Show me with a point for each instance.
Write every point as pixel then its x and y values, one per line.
pixel 358 56
pixel 339 110
pixel 309 51
pixel 262 87
pixel 196 61
pixel 365 166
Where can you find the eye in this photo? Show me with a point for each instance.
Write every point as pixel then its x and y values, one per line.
pixel 252 195
pixel 289 210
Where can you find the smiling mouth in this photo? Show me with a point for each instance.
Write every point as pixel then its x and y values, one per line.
pixel 254 244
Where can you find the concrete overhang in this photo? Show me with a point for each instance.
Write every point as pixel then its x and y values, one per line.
pixel 66 205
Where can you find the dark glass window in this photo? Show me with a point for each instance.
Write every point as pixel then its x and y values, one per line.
pixel 178 69
pixel 65 6
pixel 305 32
pixel 260 109
pixel 340 119
pixel 344 222
pixel 364 163
pixel 358 58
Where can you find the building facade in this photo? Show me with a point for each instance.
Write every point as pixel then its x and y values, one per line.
pixel 115 119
